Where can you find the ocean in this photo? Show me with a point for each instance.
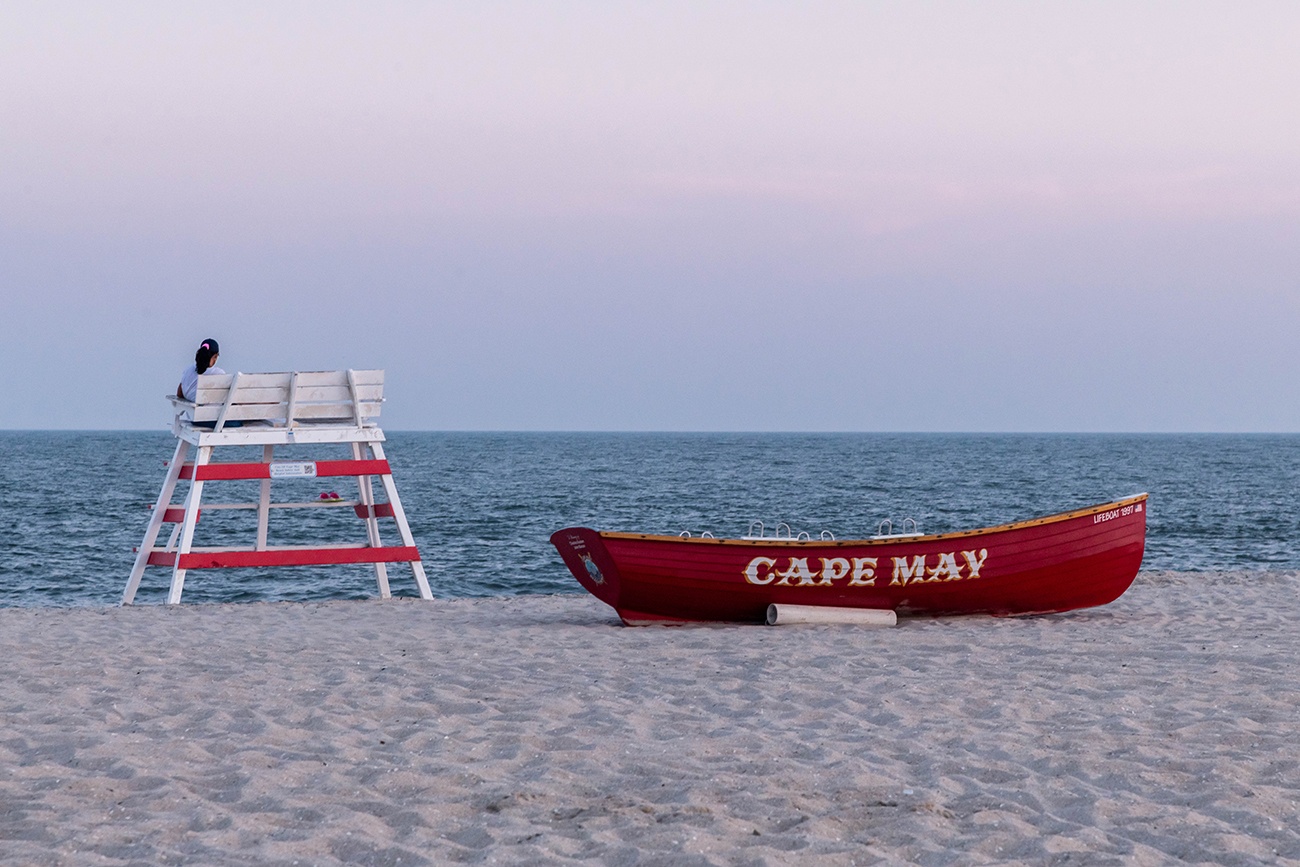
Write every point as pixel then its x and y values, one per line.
pixel 483 505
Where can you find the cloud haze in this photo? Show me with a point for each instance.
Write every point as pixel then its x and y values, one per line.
pixel 856 216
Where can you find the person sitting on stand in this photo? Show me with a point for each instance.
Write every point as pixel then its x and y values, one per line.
pixel 204 362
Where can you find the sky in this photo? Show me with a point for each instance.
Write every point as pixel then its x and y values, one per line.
pixel 694 216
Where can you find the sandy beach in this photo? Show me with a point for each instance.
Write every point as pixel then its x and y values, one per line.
pixel 1162 728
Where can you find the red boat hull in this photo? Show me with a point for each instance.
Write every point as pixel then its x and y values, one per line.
pixel 1058 563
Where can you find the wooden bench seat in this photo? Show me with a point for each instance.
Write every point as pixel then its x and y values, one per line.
pixel 271 408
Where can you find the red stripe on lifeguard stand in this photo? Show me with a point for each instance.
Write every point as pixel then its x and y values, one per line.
pixel 380 510
pixel 231 471
pixel 290 557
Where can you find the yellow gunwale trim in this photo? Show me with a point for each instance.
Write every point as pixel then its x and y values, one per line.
pixel 818 543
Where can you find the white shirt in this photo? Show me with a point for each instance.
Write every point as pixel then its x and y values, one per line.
pixel 190 380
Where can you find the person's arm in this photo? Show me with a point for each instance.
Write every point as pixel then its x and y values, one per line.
pixel 180 393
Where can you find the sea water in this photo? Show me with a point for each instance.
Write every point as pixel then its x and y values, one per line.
pixel 482 506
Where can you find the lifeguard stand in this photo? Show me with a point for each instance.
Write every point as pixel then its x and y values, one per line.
pixel 277 409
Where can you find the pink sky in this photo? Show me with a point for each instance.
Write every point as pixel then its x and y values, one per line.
pixel 857 216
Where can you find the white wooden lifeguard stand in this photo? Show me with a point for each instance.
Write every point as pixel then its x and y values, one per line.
pixel 274 409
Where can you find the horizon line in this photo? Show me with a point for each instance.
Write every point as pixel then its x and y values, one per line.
pixel 639 432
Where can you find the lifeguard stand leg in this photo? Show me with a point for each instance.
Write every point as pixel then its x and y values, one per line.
pixel 404 529
pixel 264 501
pixel 367 497
pixel 187 528
pixel 155 522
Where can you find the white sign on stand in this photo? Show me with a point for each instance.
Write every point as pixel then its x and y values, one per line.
pixel 293 470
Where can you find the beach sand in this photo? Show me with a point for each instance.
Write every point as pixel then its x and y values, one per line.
pixel 1162 728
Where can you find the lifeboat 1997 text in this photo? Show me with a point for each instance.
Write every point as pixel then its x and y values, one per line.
pixel 861 571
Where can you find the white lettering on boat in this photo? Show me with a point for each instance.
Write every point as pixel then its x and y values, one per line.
pixel 945 570
pixel 833 569
pixel 798 569
pixel 905 571
pixel 973 563
pixel 1121 512
pixel 864 572
pixel 751 571
pixel 861 571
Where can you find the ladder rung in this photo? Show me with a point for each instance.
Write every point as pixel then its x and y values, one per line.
pixel 176 514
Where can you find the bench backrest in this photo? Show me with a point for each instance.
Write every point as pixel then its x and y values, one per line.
pixel 340 396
